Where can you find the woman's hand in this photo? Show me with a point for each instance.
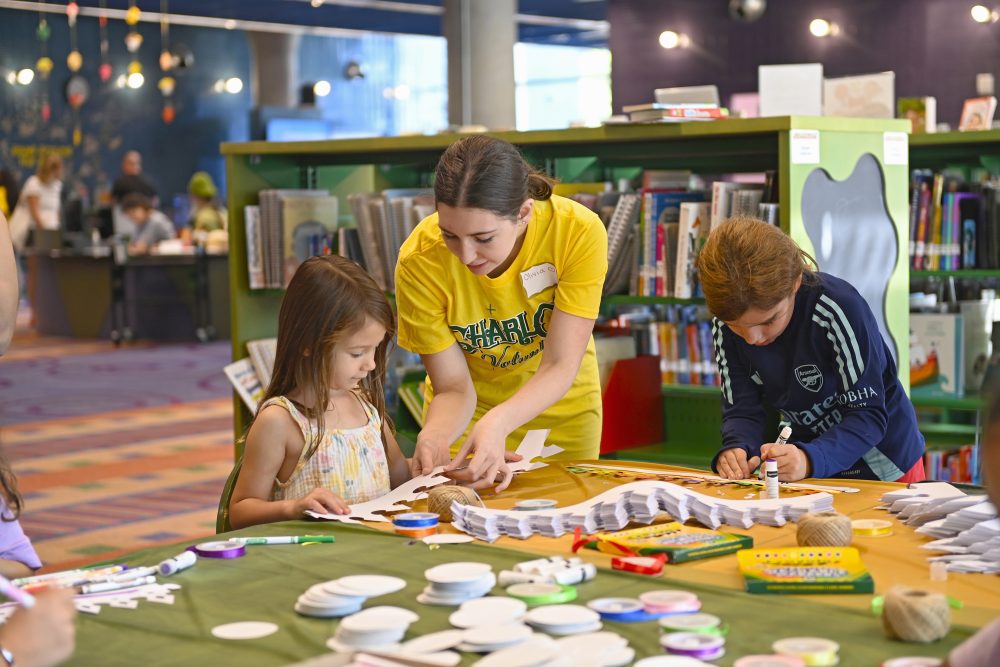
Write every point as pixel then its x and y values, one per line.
pixel 465 477
pixel 793 464
pixel 486 444
pixel 430 452
pixel 321 501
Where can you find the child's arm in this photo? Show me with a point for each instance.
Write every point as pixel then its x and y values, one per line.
pixel 270 441
pixel 14 569
pixel 399 467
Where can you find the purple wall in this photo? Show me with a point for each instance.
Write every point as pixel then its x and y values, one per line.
pixel 933 46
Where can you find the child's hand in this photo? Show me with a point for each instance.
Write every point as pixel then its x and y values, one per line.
pixel 793 464
pixel 733 464
pixel 321 501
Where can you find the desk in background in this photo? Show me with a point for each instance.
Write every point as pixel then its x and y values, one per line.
pixel 264 584
pixel 158 297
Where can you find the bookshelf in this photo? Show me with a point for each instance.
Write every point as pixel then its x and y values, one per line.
pixel 781 144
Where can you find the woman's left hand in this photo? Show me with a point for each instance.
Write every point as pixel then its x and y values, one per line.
pixel 486 443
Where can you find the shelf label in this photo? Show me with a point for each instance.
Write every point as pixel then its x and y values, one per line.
pixel 804 146
pixel 895 148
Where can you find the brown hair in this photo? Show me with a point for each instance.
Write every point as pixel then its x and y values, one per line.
pixel 136 200
pixel 48 161
pixel 327 299
pixel 8 489
pixel 490 174
pixel 748 263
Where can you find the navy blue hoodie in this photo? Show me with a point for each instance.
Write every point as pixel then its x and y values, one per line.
pixel 831 376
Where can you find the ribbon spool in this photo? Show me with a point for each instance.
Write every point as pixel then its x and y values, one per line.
pixel 440 498
pixel 694 645
pixel 913 615
pixel 813 651
pixel 824 529
pixel 769 661
pixel 871 527
pixel 227 549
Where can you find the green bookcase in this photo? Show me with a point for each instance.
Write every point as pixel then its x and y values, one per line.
pixel 586 154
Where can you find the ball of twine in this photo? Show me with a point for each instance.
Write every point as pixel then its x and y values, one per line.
pixel 824 529
pixel 914 615
pixel 440 498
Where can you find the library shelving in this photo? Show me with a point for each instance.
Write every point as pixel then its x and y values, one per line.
pixel 813 159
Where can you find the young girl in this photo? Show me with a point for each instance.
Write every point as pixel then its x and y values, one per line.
pixel 320 440
pixel 17 556
pixel 807 344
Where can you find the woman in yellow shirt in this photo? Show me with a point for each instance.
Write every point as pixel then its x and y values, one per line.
pixel 498 292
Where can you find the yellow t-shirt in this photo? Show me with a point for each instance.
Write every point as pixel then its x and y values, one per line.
pixel 501 323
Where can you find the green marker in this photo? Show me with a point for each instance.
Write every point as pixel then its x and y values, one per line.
pixel 285 539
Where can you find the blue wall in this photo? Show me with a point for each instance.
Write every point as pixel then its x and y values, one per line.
pixel 116 120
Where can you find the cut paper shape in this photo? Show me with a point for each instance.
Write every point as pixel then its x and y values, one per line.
pixel 719 480
pixel 853 235
pixel 244 630
pixel 531 447
pixel 641 502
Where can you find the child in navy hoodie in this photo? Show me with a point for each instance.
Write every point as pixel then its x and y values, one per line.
pixel 807 344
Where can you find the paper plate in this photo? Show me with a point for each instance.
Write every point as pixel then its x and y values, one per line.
pixel 534 651
pixel 244 630
pixel 448 538
pixel 493 635
pixel 367 585
pixel 671 661
pixel 457 574
pixel 556 615
pixel 434 642
pixel 496 606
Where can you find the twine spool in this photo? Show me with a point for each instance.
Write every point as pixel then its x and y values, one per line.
pixel 439 499
pixel 914 615
pixel 824 529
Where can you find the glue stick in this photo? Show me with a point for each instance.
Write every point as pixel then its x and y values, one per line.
pixel 771 478
pixel 181 561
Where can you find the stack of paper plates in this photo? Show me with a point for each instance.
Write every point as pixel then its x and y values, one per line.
pixel 378 627
pixel 489 638
pixel 454 583
pixel 607 649
pixel 344 596
pixel 488 611
pixel 563 619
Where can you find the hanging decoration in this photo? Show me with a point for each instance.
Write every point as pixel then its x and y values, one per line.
pixel 104 71
pixel 133 39
pixel 167 83
pixel 74 61
pixel 44 64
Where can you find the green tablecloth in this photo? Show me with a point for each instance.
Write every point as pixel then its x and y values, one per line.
pixel 264 584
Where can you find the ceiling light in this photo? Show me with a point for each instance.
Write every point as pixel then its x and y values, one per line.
pixel 26 76
pixel 823 28
pixel 316 3
pixel 230 24
pixel 321 88
pixel 135 80
pixel 672 40
pixel 11 77
pixel 234 85
pixel 983 14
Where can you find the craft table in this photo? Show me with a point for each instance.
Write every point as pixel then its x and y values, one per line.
pixel 264 584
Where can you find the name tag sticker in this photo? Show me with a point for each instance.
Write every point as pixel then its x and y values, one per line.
pixel 538 278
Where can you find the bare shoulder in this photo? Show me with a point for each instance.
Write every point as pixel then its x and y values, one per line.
pixel 274 424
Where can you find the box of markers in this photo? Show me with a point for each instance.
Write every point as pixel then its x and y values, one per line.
pixel 804 570
pixel 678 542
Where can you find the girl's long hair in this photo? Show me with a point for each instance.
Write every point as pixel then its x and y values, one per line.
pixel 327 299
pixel 8 489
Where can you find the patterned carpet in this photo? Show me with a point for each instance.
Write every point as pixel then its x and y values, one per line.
pixel 115 449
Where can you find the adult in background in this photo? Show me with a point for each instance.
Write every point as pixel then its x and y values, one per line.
pixel 132 180
pixel 207 215
pixel 38 206
pixel 498 292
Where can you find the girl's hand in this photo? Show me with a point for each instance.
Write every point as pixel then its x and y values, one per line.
pixel 429 453
pixel 733 464
pixel 44 635
pixel 793 464
pixel 487 445
pixel 321 501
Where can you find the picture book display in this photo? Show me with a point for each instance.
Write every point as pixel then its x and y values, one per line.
pixel 804 570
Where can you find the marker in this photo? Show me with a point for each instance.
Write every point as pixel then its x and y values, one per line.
pixel 26 600
pixel 105 586
pixel 284 539
pixel 786 433
pixel 134 573
pixel 84 573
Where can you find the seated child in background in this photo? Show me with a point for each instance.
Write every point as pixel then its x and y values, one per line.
pixel 148 226
pixel 983 648
pixel 17 556
pixel 320 440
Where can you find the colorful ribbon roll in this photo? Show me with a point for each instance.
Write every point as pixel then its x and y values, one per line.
pixel 227 549
pixel 539 594
pixel 769 661
pixel 694 645
pixel 813 651
pixel 534 504
pixel 415 520
pixel 871 527
pixel 703 624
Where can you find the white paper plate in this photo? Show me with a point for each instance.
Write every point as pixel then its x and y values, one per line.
pixel 434 642
pixel 556 615
pixel 594 642
pixel 535 651
pixel 671 661
pixel 307 609
pixel 378 619
pixel 494 635
pixel 367 585
pixel 458 574
pixel 496 606
pixel 244 630
pixel 448 538
pixel 338 646
pixel 564 630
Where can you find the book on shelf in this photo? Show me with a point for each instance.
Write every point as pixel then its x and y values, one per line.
pixel 936 359
pixel 977 113
pixel 953 223
pixel 255 257
pixel 660 207
pixel 920 111
pixel 622 242
pixel 411 393
pixel 661 113
pixel 262 352
pixel 691 235
pixel 244 379
pixel 384 220
pixel 960 465
pixel 308 225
